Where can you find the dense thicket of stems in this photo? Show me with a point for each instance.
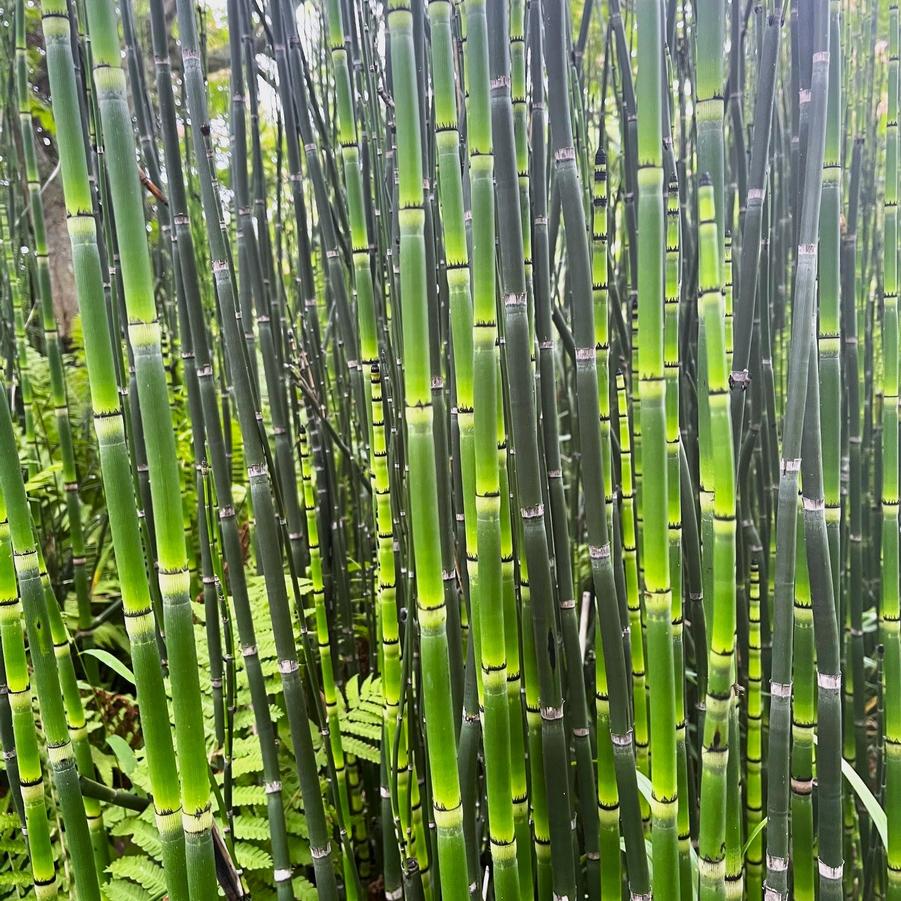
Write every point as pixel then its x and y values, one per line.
pixel 493 482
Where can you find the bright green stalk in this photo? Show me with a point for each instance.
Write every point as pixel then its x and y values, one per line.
pixel 8 746
pixel 709 83
pixel 721 657
pixel 672 298
pixel 608 797
pixel 710 110
pixel 60 752
pixel 541 834
pixel 51 336
pixel 630 564
pixel 423 496
pixel 323 640
pixel 753 756
pixel 728 272
pixel 114 461
pixel 803 729
pixel 519 786
pixel 12 641
pixel 488 610
pixel 76 721
pixel 74 709
pixel 456 254
pixel 144 335
pixel 389 633
pixel 450 195
pixel 654 496
pixel 735 862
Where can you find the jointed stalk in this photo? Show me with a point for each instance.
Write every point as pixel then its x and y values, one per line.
pixel 114 461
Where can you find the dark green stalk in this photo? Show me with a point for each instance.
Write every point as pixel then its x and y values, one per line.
pixel 803 306
pixel 255 458
pixel 567 175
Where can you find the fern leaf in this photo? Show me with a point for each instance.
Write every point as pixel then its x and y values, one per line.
pixel 141 870
pixel 250 857
pixel 251 828
pixel 123 890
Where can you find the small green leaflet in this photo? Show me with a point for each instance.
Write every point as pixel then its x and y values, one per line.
pixel 124 754
pixel 114 663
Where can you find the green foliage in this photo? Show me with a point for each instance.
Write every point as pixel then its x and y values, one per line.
pixel 142 871
pixel 117 750
pixel 247 830
pixel 360 718
pixel 15 872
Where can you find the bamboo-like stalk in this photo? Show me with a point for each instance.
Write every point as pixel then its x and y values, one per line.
pixel 674 520
pixel 76 721
pixel 115 467
pixel 721 666
pixel 12 641
pixel 890 603
pixel 654 496
pixel 460 313
pixel 787 503
pixel 752 226
pixel 155 411
pixel 830 862
pixel 586 390
pixel 255 457
pixel 574 438
pixel 431 610
pixel 754 767
pixel 607 796
pixel 194 339
pixel 507 79
pixel 51 335
pixel 389 633
pixel 62 760
pixel 531 636
pixel 487 601
pixel 323 639
pixel 829 330
pixel 72 699
pixel 803 727
pixel 354 179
